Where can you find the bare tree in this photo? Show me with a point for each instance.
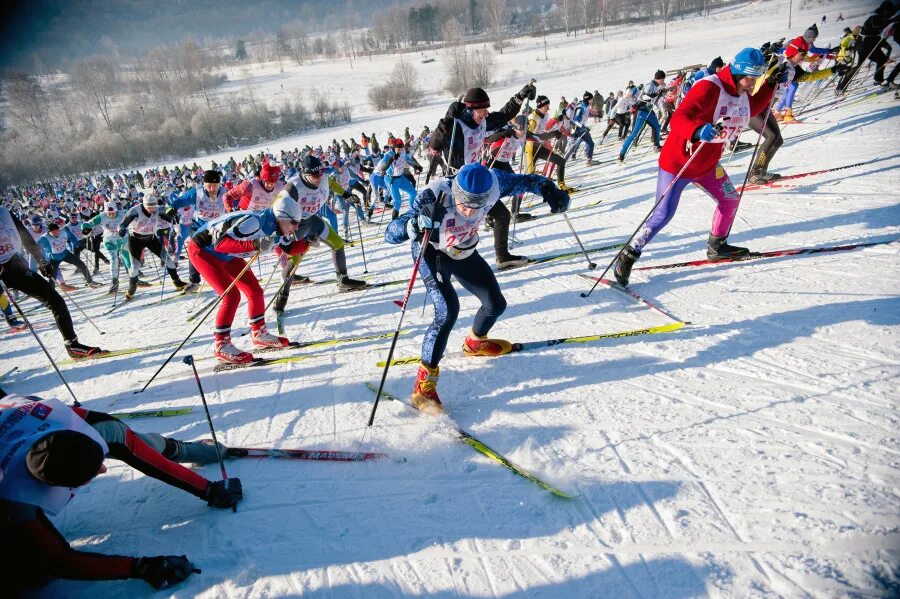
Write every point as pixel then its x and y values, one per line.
pixel 451 31
pixel 96 79
pixel 664 8
pixel 496 15
pixel 27 101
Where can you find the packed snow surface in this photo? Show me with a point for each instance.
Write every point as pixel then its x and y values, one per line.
pixel 754 452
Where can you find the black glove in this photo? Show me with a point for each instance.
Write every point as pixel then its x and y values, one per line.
pixel 164 571
pixel 45 269
pixel 123 232
pixel 431 215
pixel 528 92
pixel 555 197
pixel 840 68
pixel 457 110
pixel 224 493
pixel 347 195
pixel 779 75
pixel 263 244
pixel 418 170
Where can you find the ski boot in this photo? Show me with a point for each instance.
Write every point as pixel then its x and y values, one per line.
pixel 191 288
pixel 301 280
pixel 626 260
pixel 113 287
pixel 143 283
pixel 761 177
pixel 132 288
pixel 226 353
pixel 263 339
pixel 719 249
pixel 14 323
pixel 787 115
pixel 79 350
pixel 502 257
pixel 179 284
pixel 566 188
pixel 195 452
pixel 344 282
pixel 475 345
pixel 425 396
pixel 67 288
pixel 96 271
pixel 742 145
pixel 591 162
pixel 522 217
pixel 94 284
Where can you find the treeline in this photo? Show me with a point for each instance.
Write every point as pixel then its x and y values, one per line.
pixel 109 114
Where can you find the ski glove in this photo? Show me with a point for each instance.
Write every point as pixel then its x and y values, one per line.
pixel 457 110
pixel 224 493
pixel 164 571
pixel 263 244
pixel 122 231
pixel 839 68
pixel 706 132
pixel 555 197
pixel 45 269
pixel 528 92
pixel 779 75
pixel 430 216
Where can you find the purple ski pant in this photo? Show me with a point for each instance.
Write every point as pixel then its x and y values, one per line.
pixel 716 184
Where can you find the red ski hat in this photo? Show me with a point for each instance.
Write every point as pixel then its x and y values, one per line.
pixel 270 172
pixel 796 46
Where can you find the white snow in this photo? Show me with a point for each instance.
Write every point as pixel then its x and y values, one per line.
pixel 753 453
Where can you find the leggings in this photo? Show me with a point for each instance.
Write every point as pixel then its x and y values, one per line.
pixel 644 117
pixel 117 249
pixel 401 185
pixel 136 246
pixel 219 274
pixel 184 233
pixel 17 275
pixel 71 258
pixel 544 153
pixel 345 208
pixel 715 183
pixel 787 99
pixel 772 140
pixel 94 243
pixel 435 161
pixel 622 120
pixel 476 277
pixel 582 134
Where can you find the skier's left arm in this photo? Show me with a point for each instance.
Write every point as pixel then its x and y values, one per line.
pixel 515 184
pixel 495 120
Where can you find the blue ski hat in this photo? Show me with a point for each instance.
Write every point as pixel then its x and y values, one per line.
pixel 472 185
pixel 749 62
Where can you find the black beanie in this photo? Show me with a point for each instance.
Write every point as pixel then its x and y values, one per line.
pixel 212 177
pixel 542 101
pixel 660 74
pixel 52 227
pixel 476 98
pixel 64 459
pixel 716 63
pixel 587 97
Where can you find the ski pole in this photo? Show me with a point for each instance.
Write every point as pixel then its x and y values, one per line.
pixel 643 220
pixel 88 318
pixel 756 147
pixel 403 305
pixel 162 287
pixel 189 359
pixel 591 265
pixel 362 245
pixel 205 316
pixel 38 339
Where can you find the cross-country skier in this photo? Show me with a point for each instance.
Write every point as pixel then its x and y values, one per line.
pixel 49 450
pixel 57 245
pixel 540 142
pixel 207 203
pixel 466 125
pixel 652 93
pixel 453 210
pixel 393 166
pixel 141 226
pixel 109 221
pixel 581 129
pixel 714 113
pixel 256 193
pixel 15 274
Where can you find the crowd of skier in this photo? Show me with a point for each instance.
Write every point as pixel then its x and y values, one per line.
pixel 437 190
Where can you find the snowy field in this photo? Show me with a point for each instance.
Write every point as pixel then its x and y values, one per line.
pixel 753 452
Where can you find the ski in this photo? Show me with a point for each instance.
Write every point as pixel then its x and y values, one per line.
pixel 480 447
pixel 303 454
pixel 640 299
pixel 160 413
pixel 102 355
pixel 752 186
pixel 531 345
pixel 564 255
pixel 771 254
pixel 339 340
pixel 225 367
pixel 8 372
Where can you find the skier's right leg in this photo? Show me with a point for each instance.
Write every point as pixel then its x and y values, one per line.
pixel 638 126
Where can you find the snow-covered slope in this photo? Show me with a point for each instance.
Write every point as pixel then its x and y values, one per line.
pixel 753 452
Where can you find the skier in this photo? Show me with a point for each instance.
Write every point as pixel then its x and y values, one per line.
pixel 505 144
pixel 453 209
pixel 465 126
pixel 540 134
pixel 256 193
pixel 57 249
pixel 49 450
pixel 651 94
pixel 715 112
pixel 206 203
pixel 581 129
pixel 141 226
pixel 15 274
pixel 872 43
pixel 310 191
pixel 109 221
pixel 398 160
pixel 796 51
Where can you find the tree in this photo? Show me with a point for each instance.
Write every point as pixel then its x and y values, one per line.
pixel 96 79
pixel 664 8
pixel 240 51
pixel 496 15
pixel 27 101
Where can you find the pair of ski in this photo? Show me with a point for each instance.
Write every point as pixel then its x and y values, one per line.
pixel 779 181
pixel 460 435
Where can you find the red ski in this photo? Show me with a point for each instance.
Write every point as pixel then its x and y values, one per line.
pixel 752 186
pixel 772 254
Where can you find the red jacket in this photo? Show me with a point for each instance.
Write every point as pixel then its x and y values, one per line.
pixel 696 110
